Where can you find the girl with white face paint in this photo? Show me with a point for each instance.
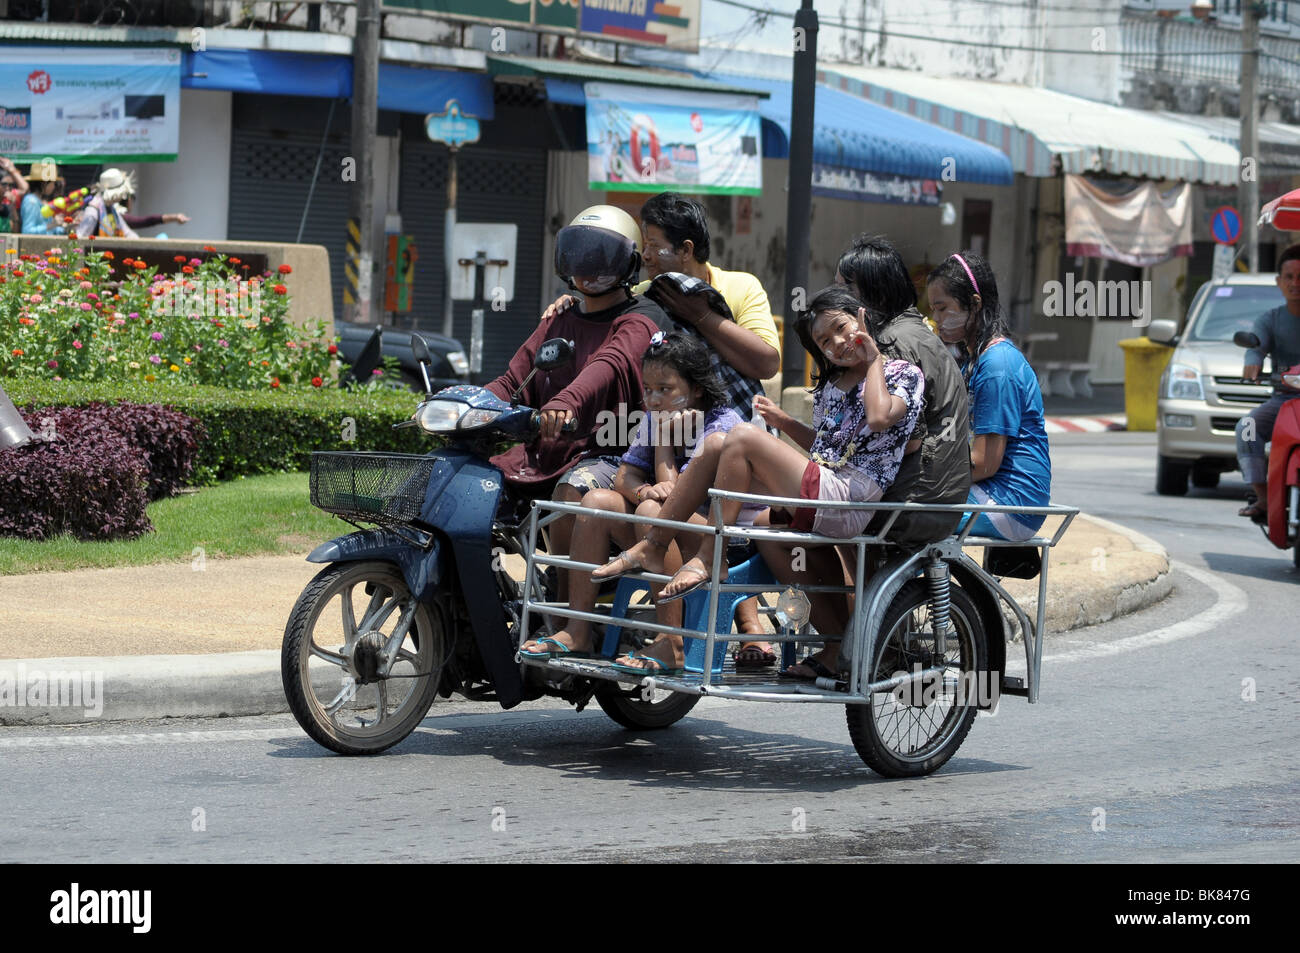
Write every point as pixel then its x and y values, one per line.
pixel 1010 463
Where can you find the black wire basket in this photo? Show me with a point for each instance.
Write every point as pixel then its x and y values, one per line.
pixel 383 488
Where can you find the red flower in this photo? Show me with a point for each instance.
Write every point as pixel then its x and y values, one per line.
pixel 285 270
pixel 275 382
pixel 141 265
pixel 18 352
pixel 188 270
pixel 128 261
pixel 208 248
pixel 333 349
pixel 316 382
pixel 280 290
pixel 107 254
pixel 178 257
pixel 234 261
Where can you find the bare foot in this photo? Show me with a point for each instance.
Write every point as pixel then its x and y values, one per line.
pixel 666 650
pixel 691 576
pixel 645 556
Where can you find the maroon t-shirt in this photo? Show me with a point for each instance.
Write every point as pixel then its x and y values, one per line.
pixel 605 373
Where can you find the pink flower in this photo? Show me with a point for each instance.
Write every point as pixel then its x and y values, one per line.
pixel 195 262
pixel 86 286
pixel 198 347
pixel 77 345
pixel 223 343
pixel 86 306
pixel 155 359
pixel 51 364
pixel 36 299
pixel 134 314
pixel 157 335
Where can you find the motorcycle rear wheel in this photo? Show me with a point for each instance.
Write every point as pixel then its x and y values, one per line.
pixel 339 710
pixel 667 708
pixel 904 736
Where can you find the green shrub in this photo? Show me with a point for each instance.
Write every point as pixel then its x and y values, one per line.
pixel 252 432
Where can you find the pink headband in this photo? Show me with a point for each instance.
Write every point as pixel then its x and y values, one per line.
pixel 969 273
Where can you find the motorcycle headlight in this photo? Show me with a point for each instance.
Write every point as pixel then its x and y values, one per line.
pixel 439 416
pixel 477 418
pixel 459 362
pixel 1183 382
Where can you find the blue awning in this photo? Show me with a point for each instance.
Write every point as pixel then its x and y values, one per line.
pixel 851 133
pixel 402 88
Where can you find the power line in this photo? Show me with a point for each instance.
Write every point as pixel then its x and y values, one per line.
pixel 840 24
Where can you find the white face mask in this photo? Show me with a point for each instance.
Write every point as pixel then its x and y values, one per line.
pixel 954 324
pixel 597 285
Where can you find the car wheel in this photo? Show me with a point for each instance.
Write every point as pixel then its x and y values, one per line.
pixel 1171 476
pixel 1205 476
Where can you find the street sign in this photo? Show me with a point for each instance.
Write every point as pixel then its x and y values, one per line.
pixel 451 127
pixel 1225 224
pixel 1223 259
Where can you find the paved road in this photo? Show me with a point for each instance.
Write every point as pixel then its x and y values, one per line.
pixel 1142 727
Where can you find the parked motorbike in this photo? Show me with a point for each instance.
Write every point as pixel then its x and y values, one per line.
pixel 1283 502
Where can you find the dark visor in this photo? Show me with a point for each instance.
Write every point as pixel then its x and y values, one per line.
pixel 584 251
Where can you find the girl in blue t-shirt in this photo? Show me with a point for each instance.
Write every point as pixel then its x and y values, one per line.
pixel 1010 464
pixel 684 402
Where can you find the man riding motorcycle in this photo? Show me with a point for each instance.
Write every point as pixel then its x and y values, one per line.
pixel 1278 331
pixel 598 255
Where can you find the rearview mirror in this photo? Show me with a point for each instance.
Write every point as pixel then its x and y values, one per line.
pixel 420 350
pixel 1162 331
pixel 1245 339
pixel 554 353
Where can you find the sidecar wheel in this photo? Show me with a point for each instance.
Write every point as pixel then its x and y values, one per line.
pixel 323 664
pixel 901 735
pixel 632 713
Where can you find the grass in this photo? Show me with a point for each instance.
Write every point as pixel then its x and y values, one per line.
pixel 252 516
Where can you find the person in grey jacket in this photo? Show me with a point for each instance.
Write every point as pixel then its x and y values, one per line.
pixel 1278 331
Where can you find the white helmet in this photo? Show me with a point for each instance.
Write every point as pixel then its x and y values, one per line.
pixel 602 246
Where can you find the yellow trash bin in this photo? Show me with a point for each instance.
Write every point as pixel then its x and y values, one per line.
pixel 1144 362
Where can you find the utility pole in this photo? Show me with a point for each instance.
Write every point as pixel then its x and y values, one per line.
pixel 1248 183
pixel 799 204
pixel 365 112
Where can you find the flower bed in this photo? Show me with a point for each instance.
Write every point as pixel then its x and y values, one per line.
pixel 73 316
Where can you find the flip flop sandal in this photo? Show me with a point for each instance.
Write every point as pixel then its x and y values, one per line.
pixel 560 650
pixel 812 663
pixel 683 593
pixel 1254 512
pixel 632 567
pixel 662 671
pixel 751 656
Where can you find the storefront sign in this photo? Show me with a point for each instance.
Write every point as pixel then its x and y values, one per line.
pixel 641 139
pixel 88 104
pixel 838 183
pixel 451 127
pixel 649 22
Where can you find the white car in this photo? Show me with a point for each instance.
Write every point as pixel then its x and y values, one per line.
pixel 1202 393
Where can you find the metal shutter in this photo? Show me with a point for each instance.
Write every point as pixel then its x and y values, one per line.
pixel 270 176
pixel 495 185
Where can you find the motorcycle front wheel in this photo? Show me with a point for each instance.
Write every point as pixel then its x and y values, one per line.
pixel 913 731
pixel 332 644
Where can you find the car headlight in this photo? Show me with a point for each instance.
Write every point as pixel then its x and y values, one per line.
pixel 459 362
pixel 1183 382
pixel 439 416
pixel 477 418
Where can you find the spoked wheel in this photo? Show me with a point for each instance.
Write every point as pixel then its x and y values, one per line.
pixel 913 730
pixel 336 675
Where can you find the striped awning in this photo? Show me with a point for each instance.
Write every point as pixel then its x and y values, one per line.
pixel 1046 132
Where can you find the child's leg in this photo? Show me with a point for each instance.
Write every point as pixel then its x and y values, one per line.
pixel 690 493
pixel 752 461
pixel 589 543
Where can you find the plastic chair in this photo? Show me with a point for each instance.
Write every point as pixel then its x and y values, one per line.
pixel 695 608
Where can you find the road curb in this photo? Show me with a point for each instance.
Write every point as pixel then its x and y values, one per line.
pixel 1136 580
pixel 62 691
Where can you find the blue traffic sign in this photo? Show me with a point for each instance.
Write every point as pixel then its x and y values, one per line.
pixel 1225 224
pixel 451 127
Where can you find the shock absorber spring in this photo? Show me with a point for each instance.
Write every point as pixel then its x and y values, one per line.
pixel 936 573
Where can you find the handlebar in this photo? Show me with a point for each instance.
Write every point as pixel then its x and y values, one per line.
pixel 569 426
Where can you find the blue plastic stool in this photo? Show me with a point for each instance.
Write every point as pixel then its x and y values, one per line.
pixel 695 608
